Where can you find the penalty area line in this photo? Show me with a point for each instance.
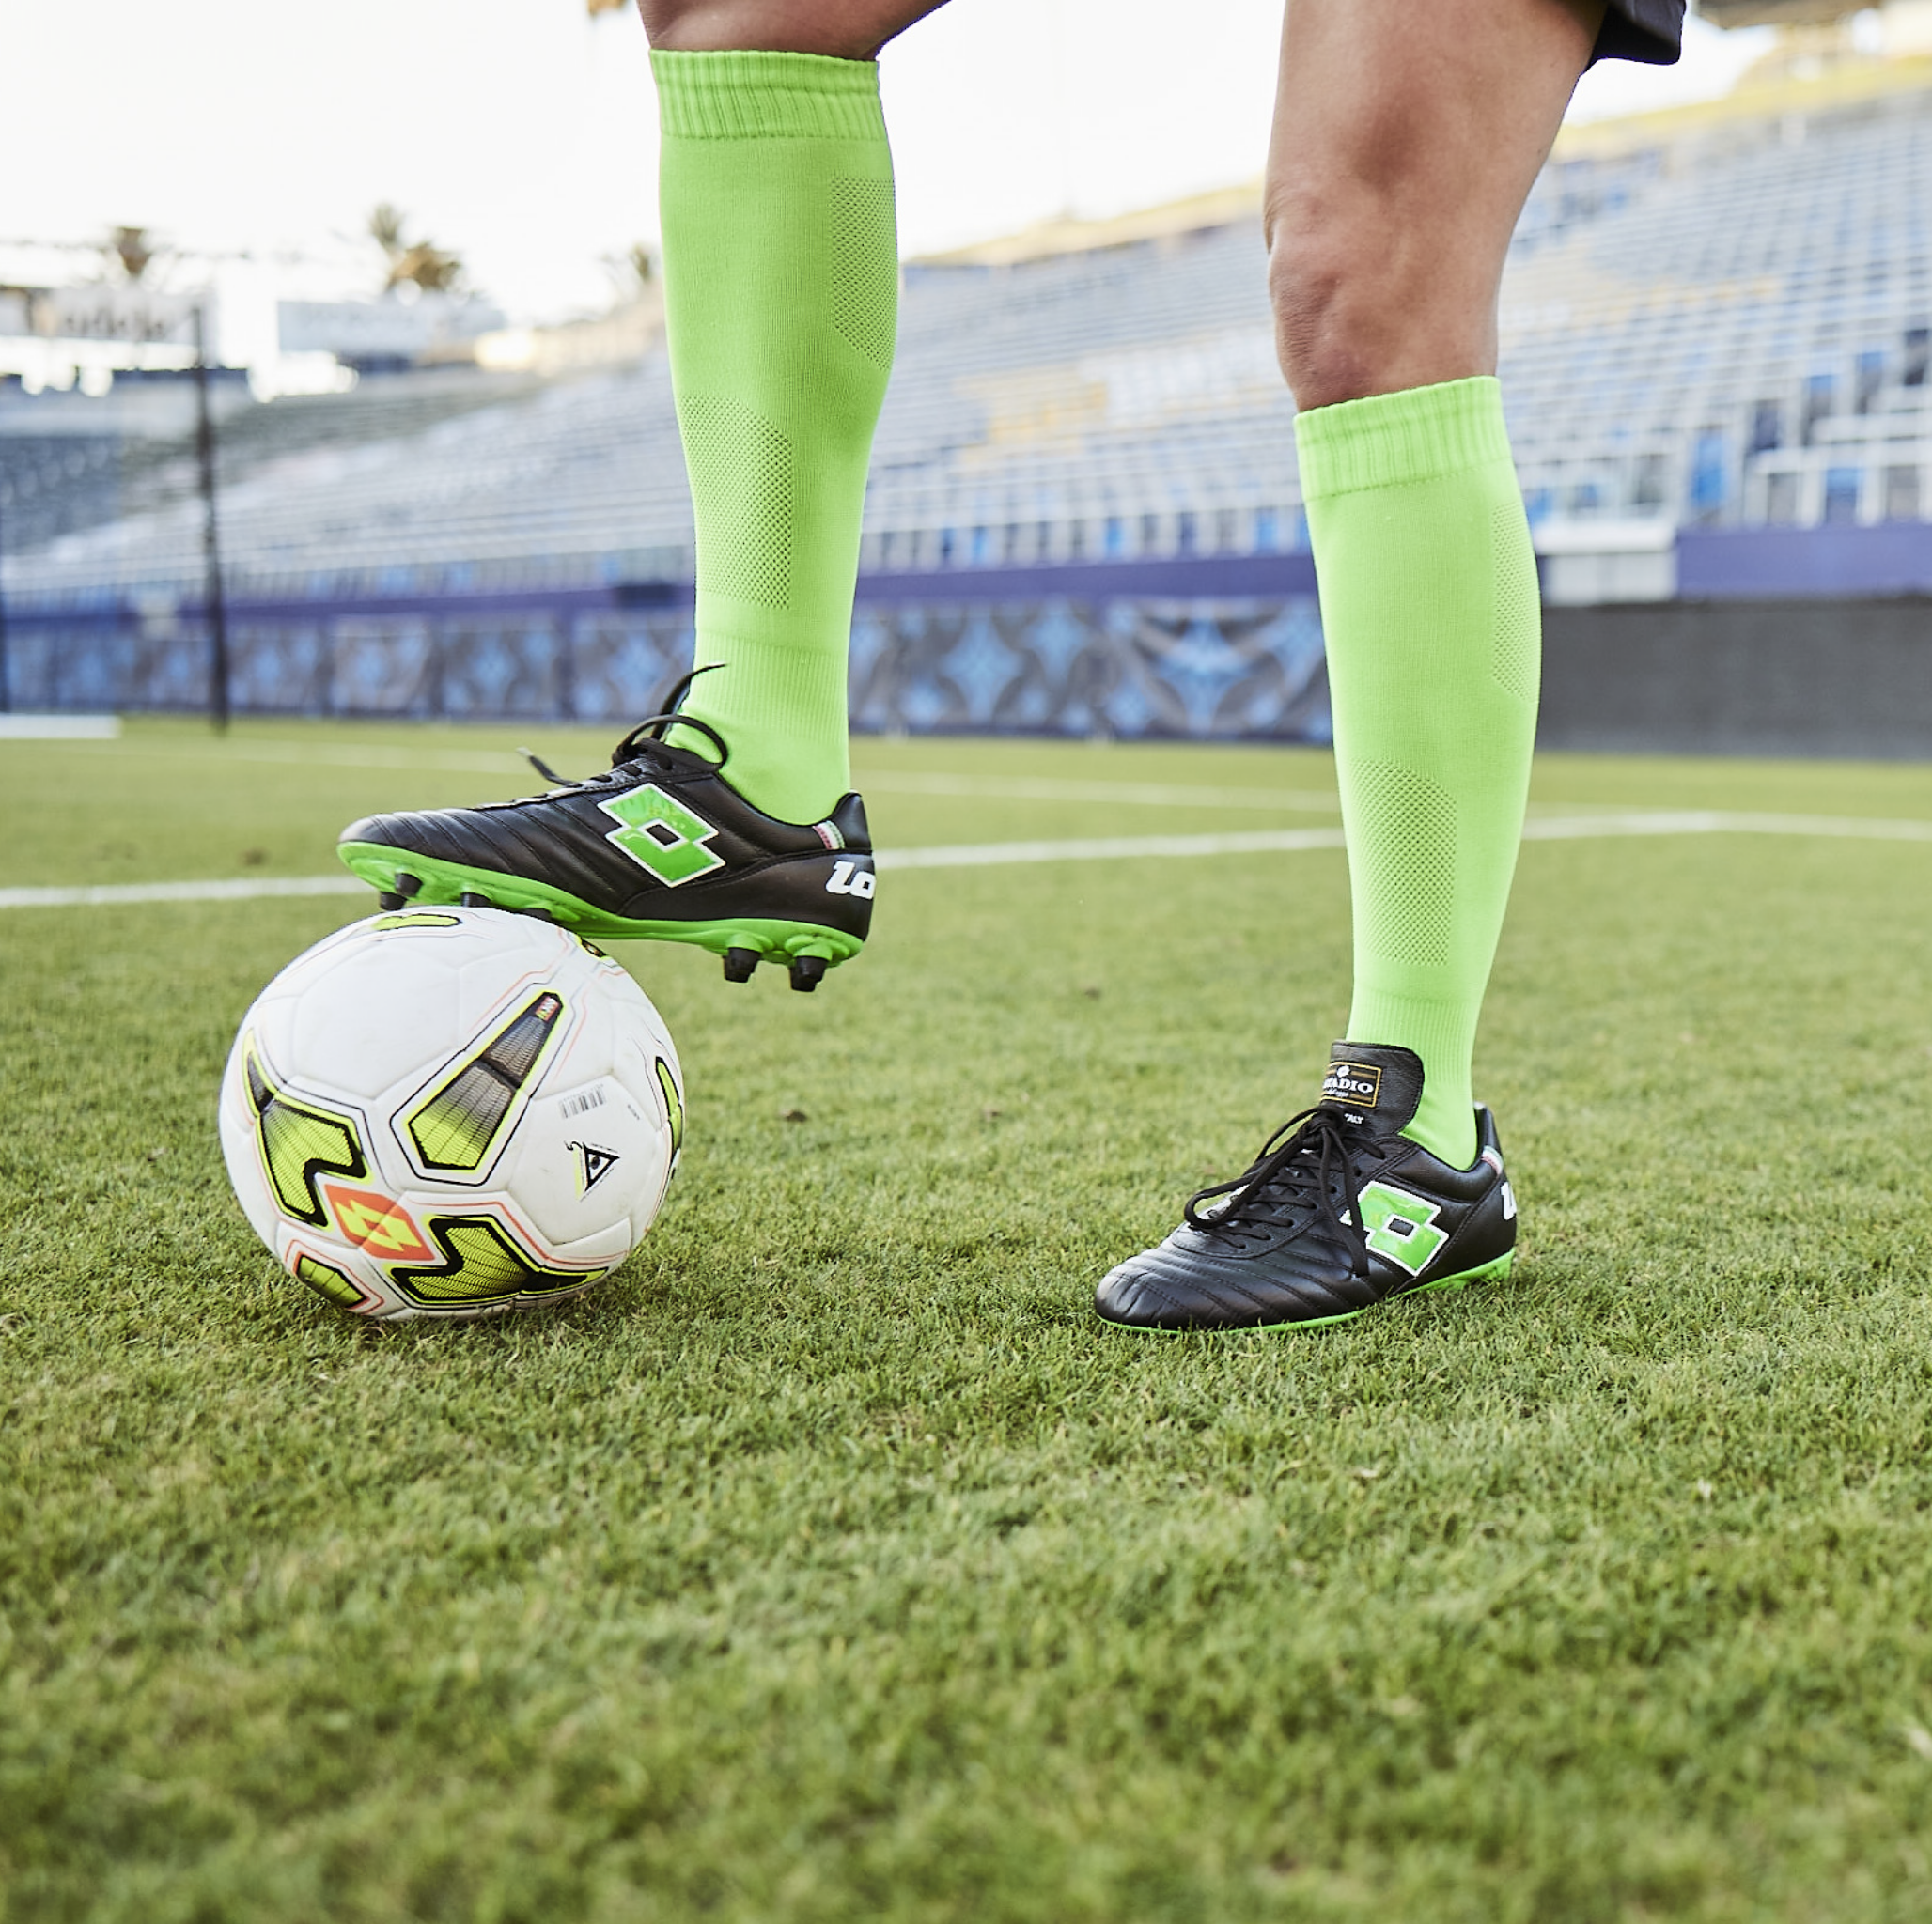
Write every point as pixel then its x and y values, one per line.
pixel 1110 848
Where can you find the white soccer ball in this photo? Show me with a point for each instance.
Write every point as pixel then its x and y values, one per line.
pixel 451 1113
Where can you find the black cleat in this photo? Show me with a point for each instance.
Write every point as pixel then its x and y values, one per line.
pixel 1338 1213
pixel 661 847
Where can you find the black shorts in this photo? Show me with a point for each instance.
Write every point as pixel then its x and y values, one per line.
pixel 1648 30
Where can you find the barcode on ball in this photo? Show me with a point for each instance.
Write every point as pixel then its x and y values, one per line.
pixel 584 1099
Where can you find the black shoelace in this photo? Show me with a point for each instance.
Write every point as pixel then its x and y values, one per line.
pixel 1294 1181
pixel 638 745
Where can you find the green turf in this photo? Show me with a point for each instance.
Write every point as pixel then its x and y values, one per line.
pixel 832 1562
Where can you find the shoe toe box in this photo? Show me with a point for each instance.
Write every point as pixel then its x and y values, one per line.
pixel 1196 1281
pixel 424 833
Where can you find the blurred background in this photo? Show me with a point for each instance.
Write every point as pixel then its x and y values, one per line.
pixel 332 381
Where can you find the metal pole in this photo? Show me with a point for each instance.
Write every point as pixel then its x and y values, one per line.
pixel 210 535
pixel 5 666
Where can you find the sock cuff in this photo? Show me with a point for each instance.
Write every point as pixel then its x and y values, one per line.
pixel 740 96
pixel 1419 434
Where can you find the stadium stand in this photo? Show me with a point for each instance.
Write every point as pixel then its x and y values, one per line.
pixel 1713 321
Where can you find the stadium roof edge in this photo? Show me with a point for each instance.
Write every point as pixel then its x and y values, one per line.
pixel 1845 85
pixel 1220 208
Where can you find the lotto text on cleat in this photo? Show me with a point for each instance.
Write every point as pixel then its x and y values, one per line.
pixel 1338 1213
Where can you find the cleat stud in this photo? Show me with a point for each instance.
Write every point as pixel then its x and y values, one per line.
pixel 389 900
pixel 470 899
pixel 738 964
pixel 405 885
pixel 540 914
pixel 807 972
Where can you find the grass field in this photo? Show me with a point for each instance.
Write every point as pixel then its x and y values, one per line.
pixel 832 1562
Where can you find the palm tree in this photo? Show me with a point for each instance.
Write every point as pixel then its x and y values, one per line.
pixel 420 262
pixel 635 271
pixel 129 246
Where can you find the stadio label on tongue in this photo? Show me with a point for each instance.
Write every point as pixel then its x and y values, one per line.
pixel 1357 1085
pixel 1374 1079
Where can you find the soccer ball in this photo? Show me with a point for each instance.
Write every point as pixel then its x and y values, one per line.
pixel 451 1113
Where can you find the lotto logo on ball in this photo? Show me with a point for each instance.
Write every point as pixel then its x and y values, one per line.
pixel 378 1226
pixel 454 1114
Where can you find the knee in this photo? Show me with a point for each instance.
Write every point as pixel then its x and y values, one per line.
pixel 693 26
pixel 1372 295
pixel 772 26
pixel 1315 286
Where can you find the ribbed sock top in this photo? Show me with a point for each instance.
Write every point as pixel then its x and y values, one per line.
pixel 747 95
pixel 1419 434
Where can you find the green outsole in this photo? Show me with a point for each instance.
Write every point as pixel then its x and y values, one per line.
pixel 1488 1272
pixel 445 882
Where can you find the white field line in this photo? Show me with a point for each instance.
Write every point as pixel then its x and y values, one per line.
pixel 1110 849
pixel 1002 854
pixel 112 894
pixel 1721 822
pixel 470 761
pixel 1135 794
pixel 59 727
pixel 1602 818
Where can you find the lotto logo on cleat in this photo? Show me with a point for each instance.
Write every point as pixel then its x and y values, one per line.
pixel 1401 1227
pixel 849 878
pixel 1358 1083
pixel 660 835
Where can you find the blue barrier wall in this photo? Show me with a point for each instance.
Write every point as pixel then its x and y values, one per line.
pixel 1779 564
pixel 1192 648
pixel 1123 650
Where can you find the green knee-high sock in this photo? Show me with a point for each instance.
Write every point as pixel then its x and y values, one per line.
pixel 1434 630
pixel 781 296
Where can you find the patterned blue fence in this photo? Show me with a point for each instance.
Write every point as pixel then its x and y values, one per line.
pixel 984 656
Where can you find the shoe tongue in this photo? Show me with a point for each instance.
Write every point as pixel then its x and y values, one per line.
pixel 666 754
pixel 1374 1082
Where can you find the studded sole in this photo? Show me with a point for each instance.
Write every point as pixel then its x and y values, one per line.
pixel 446 883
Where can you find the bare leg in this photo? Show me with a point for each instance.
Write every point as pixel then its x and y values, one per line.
pixel 1406 139
pixel 844 29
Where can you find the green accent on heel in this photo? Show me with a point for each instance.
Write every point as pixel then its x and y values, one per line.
pixel 774 940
